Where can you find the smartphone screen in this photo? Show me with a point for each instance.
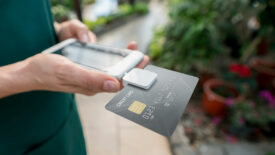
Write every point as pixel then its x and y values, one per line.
pixel 98 58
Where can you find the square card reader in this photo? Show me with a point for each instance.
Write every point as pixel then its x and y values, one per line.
pixel 140 78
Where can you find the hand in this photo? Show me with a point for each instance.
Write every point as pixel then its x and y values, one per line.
pixel 57 73
pixel 74 29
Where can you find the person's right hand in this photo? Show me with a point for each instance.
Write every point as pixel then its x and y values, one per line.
pixel 57 73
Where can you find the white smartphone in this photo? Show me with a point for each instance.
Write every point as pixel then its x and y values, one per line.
pixel 112 61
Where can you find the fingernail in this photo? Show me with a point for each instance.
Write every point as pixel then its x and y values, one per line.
pixel 110 86
pixel 84 37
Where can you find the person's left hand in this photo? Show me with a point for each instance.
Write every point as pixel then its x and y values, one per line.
pixel 74 29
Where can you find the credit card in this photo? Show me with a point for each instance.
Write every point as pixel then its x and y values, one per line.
pixel 159 108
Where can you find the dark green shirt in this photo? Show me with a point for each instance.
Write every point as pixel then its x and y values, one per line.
pixel 38 122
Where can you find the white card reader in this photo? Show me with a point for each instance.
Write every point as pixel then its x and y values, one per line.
pixel 140 78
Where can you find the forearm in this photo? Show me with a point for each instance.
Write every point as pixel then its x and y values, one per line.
pixel 15 79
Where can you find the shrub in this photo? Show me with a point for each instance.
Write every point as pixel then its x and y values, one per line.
pixel 124 10
pixel 191 36
pixel 156 46
pixel 141 8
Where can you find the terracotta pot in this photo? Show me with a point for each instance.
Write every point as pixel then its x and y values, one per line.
pixel 213 103
pixel 265 71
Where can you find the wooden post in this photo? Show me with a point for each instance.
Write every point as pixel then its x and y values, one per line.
pixel 77 7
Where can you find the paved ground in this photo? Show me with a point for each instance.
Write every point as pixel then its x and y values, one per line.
pixel 105 132
pixel 109 134
pixel 180 145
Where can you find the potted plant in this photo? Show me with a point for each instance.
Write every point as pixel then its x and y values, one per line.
pixel 216 92
pixel 252 115
pixel 215 96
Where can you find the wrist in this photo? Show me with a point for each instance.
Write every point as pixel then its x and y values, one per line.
pixel 23 76
pixel 28 75
pixel 15 79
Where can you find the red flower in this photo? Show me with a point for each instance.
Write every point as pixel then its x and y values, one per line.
pixel 241 70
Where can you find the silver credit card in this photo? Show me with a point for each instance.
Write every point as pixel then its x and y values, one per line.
pixel 159 108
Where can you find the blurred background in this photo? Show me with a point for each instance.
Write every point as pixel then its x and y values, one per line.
pixel 229 45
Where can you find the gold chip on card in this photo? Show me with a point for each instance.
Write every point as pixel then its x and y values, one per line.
pixel 137 107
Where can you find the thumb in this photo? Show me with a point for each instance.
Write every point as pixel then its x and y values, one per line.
pixel 100 82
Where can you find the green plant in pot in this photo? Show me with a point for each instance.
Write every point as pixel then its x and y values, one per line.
pixel 242 77
pixel 192 39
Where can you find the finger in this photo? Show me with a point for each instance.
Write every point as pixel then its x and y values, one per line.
pixel 83 35
pixel 80 30
pixel 92 37
pixel 144 62
pixel 132 45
